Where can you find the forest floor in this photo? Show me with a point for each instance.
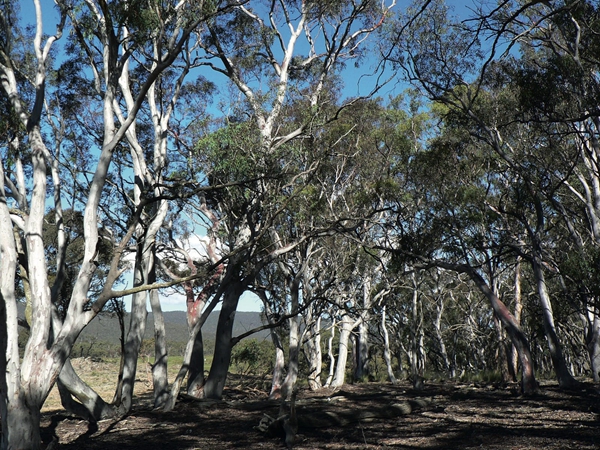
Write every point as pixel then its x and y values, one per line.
pixel 361 416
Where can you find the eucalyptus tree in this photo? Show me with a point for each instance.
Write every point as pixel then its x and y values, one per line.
pixel 481 95
pixel 540 120
pixel 564 114
pixel 272 54
pixel 29 156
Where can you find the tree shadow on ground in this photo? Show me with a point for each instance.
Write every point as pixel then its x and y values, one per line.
pixel 441 416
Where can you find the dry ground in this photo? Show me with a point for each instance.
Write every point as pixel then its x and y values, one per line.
pixel 361 416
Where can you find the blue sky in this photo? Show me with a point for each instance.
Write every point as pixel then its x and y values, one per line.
pixel 355 85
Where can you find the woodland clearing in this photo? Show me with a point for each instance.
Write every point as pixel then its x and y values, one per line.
pixel 444 415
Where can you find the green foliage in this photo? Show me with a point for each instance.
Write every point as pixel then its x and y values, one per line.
pixel 252 357
pixel 485 376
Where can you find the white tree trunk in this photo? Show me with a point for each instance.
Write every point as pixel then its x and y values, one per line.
pixel 294 344
pixel 387 355
pixel 417 353
pixel 159 368
pixel 514 357
pixel 565 379
pixel 361 369
pixel 340 369
pixel 437 328
pixel 331 355
pixel 312 348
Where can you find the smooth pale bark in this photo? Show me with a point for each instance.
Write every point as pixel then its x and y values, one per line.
pixel 437 328
pixel 387 354
pixel 294 342
pixel 20 424
pixel 90 406
pixel 133 343
pixel 330 354
pixel 516 335
pixel 591 322
pixel 417 351
pixel 160 380
pixel 514 355
pixel 339 376
pixel 279 363
pixel 312 349
pixel 278 367
pixel 361 347
pixel 43 361
pixel 564 377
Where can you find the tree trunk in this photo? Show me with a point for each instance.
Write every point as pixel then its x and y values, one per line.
pixel 133 342
pixel 313 351
pixel 437 328
pixel 20 424
pixel 294 348
pixel 361 368
pixel 215 382
pixel 518 338
pixel 502 356
pixel 331 355
pixel 91 406
pixel 160 377
pixel 593 341
pixel 278 366
pixel 387 355
pixel 340 368
pixel 565 379
pixel 196 373
pixel 417 360
pixel 514 355
pixel 279 363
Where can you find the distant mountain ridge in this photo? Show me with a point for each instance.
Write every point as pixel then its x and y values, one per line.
pixel 105 327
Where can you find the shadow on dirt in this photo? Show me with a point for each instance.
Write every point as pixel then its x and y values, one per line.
pixel 441 416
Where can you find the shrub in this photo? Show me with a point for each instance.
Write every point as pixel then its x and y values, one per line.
pixel 251 357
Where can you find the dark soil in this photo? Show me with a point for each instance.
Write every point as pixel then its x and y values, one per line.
pixel 360 416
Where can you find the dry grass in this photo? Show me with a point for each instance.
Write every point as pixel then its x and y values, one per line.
pixel 102 376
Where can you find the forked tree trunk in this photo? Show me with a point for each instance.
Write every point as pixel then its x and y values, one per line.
pixel 20 424
pixel 90 406
pixel 196 374
pixel 215 382
pixel 518 338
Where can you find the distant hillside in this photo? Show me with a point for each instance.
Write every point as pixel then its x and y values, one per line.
pixel 105 328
